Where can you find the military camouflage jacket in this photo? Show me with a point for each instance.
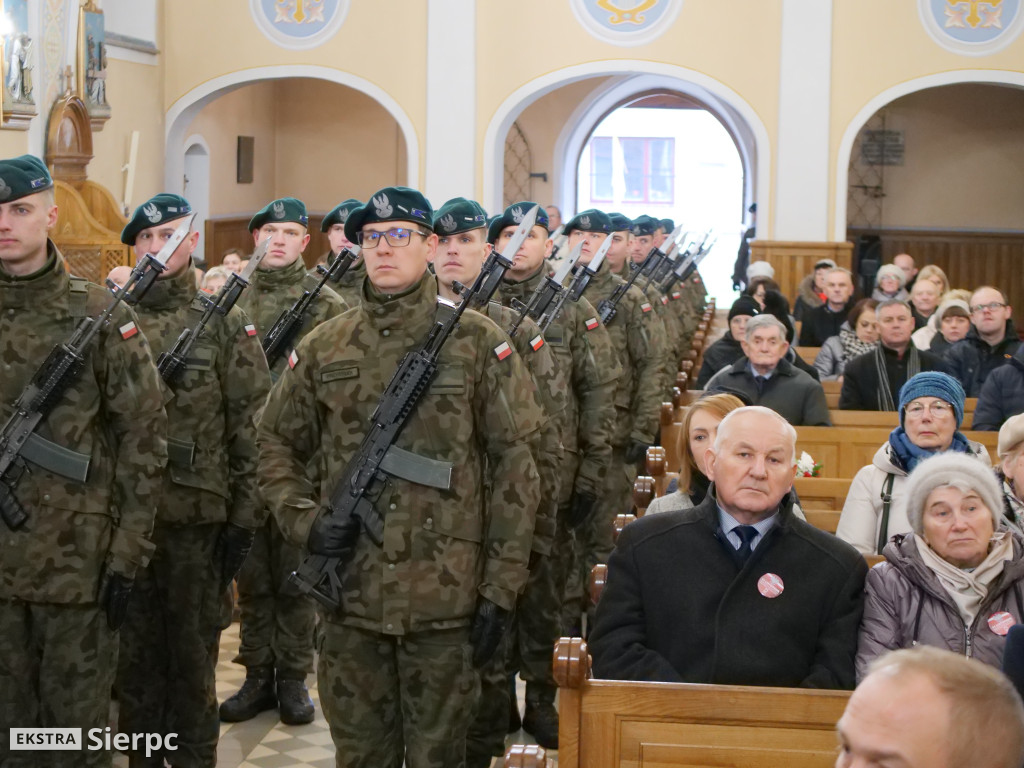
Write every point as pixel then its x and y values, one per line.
pixel 582 346
pixel 272 291
pixel 350 287
pixel 113 415
pixel 552 391
pixel 441 548
pixel 672 338
pixel 638 338
pixel 211 468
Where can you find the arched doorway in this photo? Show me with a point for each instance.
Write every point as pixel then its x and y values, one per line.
pixel 598 88
pixel 931 168
pixel 197 187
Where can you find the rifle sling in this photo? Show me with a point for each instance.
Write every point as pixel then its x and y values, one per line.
pixel 417 469
pixel 181 453
pixel 56 458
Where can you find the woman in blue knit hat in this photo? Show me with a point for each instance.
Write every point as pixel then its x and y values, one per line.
pixel 931 411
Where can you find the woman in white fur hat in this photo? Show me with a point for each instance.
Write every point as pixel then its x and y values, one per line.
pixel 955 582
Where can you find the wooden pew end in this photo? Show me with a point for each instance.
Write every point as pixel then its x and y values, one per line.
pixel 621 521
pixel 571 662
pixel 525 756
pixel 656 461
pixel 643 492
pixel 598 578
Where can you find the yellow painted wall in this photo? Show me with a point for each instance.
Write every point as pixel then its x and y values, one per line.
pixel 247 111
pixel 208 40
pixel 963 159
pixel 880 44
pixel 135 94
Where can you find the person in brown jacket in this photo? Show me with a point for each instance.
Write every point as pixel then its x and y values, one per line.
pixel 956 581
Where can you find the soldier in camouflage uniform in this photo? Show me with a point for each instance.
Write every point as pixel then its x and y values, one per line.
pixel 581 345
pixel 66 574
pixel 396 666
pixel 276 625
pixel 461 226
pixel 637 338
pixel 333 226
pixel 208 510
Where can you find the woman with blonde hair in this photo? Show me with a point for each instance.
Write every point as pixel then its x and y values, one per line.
pixel 700 425
pixel 936 275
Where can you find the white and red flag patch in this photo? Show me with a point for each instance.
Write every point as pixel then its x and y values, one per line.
pixel 664 300
pixel 250 330
pixel 677 295
pixel 537 342
pixel 128 330
pixel 503 350
pixel 645 307
pixel 293 359
pixel 592 323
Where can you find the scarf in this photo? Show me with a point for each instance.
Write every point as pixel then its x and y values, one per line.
pixel 699 486
pixel 1013 506
pixel 885 400
pixel 908 455
pixel 969 588
pixel 852 345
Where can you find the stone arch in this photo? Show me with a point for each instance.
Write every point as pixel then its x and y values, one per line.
pixel 984 76
pixel 182 112
pixel 629 78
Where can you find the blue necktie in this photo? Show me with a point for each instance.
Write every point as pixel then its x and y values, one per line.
pixel 747 534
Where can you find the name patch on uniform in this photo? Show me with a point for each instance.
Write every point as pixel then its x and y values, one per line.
pixel 250 330
pixel 537 342
pixel 128 330
pixel 503 350
pixel 645 307
pixel 293 359
pixel 592 323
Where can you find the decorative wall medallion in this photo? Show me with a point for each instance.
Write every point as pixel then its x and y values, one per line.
pixel 626 22
pixel 299 24
pixel 972 27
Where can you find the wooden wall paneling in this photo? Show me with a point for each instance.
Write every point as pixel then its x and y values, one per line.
pixel 795 260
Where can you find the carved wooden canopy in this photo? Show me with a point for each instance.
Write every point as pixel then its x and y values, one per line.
pixel 69 140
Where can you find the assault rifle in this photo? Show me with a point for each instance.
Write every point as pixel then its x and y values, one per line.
pixel 59 371
pixel 497 264
pixel 607 308
pixel 549 289
pixel 672 256
pixel 558 240
pixel 685 267
pixel 281 335
pixel 171 364
pixel 581 275
pixel 363 479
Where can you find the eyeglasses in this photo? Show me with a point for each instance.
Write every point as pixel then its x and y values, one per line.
pixel 992 306
pixel 398 237
pixel 936 409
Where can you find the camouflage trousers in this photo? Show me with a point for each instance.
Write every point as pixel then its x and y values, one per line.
pixel 527 648
pixel 276 624
pixel 390 698
pixel 166 673
pixel 57 665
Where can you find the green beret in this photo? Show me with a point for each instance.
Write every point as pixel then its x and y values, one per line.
pixel 644 225
pixel 22 176
pixel 391 204
pixel 284 209
pixel 157 210
pixel 590 220
pixel 667 226
pixel 459 215
pixel 620 222
pixel 339 214
pixel 512 217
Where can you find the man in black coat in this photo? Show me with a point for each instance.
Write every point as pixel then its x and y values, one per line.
pixel 989 344
pixel 823 322
pixel 728 349
pixel 736 591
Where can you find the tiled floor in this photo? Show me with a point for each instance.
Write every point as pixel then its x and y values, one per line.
pixel 264 742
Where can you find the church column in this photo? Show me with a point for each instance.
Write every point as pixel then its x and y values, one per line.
pixel 802 160
pixel 451 100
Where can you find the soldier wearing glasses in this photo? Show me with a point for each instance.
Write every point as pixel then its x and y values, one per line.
pixel 396 668
pixel 276 625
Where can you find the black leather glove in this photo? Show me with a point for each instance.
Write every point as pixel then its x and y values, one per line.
pixel 233 544
pixel 636 451
pixel 580 509
pixel 333 537
pixel 115 590
pixel 490 623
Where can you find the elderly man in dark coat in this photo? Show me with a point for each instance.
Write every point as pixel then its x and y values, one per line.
pixel 764 377
pixel 737 590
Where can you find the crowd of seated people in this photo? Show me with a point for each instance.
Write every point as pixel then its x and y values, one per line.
pixel 711 557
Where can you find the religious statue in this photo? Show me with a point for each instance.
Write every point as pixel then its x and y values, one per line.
pixel 19 66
